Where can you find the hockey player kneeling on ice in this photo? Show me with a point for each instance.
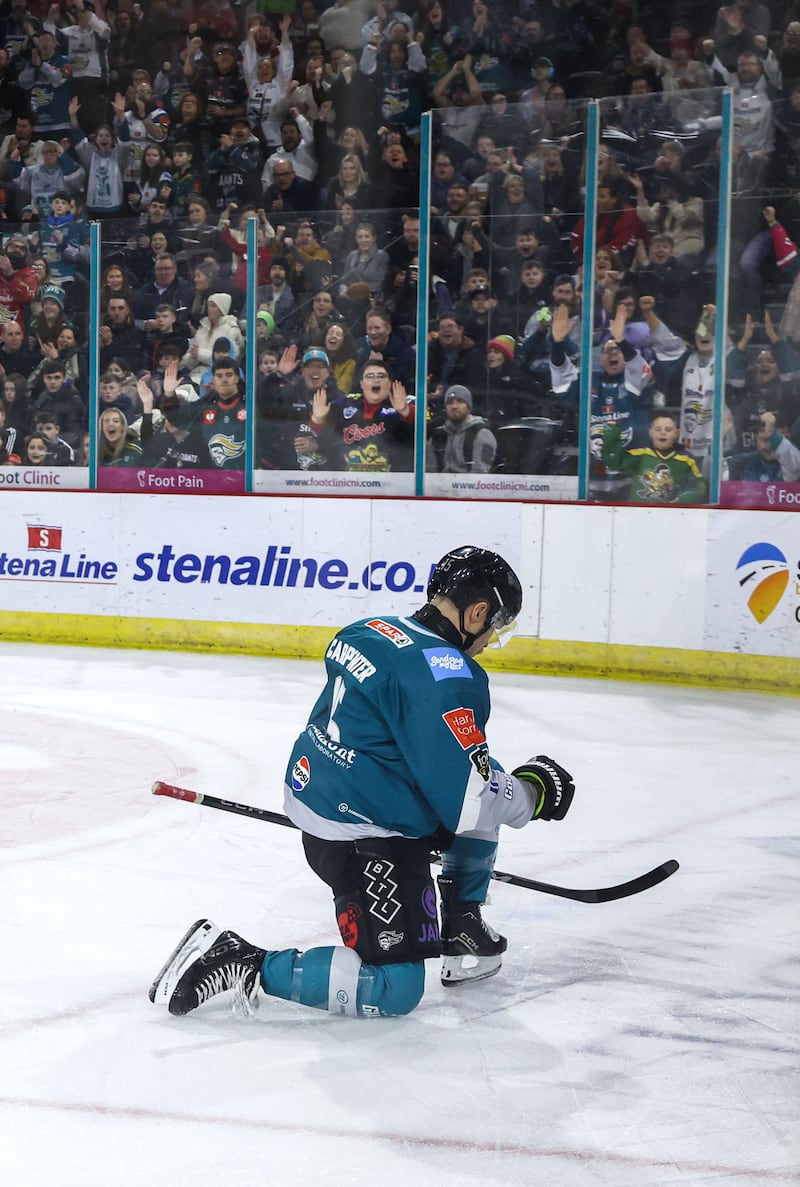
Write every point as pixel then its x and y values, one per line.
pixel 393 763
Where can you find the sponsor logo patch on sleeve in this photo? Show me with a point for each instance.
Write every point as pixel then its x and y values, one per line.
pixel 446 662
pixel 462 725
pixel 301 774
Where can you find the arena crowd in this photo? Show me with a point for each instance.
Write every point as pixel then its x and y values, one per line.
pixel 175 125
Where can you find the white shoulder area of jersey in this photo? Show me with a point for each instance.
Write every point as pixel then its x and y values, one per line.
pixel 411 624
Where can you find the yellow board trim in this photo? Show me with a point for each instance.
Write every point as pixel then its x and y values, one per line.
pixel 660 665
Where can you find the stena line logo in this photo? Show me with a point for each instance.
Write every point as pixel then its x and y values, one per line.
pixel 46 559
pixel 277 566
pixel 42 538
pixel 763 575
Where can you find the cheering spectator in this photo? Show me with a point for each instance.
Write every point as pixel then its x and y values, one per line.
pixel 235 238
pixel 267 84
pixel 19 283
pixel 37 183
pixel 147 123
pixel 339 346
pixel 234 167
pixel 371 430
pixel 117 444
pixel 105 160
pixel 297 147
pixel 661 472
pixel 310 261
pixel 46 77
pixel 36 452
pixel 489 47
pixel 399 80
pixel 285 439
pixel 220 79
pixel 87 49
pixel 381 342
pixel 191 127
pixel 154 180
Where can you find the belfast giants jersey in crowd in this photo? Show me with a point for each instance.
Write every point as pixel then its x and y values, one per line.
pixel 395 744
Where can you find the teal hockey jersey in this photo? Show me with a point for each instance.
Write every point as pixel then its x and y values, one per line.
pixel 396 743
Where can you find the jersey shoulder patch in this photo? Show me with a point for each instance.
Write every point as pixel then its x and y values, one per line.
pixel 446 663
pixel 390 631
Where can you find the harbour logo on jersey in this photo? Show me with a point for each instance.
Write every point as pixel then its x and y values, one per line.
pixel 301 774
pixel 390 632
pixel 763 574
pixel 462 725
pixel 445 663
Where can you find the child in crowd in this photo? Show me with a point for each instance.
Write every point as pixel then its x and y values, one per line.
pixel 36 450
pixel 662 472
pixel 111 395
pixel 59 451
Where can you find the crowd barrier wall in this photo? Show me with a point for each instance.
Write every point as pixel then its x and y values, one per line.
pixel 693 595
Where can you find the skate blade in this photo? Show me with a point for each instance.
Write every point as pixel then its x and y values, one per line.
pixel 462 970
pixel 197 941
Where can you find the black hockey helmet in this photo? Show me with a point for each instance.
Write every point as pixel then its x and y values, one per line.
pixel 469 574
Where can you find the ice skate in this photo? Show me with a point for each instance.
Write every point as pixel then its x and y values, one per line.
pixel 208 962
pixel 471 949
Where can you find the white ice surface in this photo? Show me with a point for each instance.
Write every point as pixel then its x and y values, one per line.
pixel 652 1040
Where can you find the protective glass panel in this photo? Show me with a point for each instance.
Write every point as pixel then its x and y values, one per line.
pixel 761 462
pixel 657 196
pixel 44 416
pixel 504 250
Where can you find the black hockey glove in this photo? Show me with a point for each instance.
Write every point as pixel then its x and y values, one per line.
pixel 552 787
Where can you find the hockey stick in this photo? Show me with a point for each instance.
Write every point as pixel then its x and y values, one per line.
pixel 603 894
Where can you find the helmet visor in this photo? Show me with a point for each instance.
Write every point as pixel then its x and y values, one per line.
pixel 504 627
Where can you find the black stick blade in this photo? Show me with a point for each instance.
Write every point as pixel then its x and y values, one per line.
pixel 603 894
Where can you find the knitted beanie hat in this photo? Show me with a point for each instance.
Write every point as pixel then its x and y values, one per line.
pixel 53 292
pixel 222 302
pixel 505 344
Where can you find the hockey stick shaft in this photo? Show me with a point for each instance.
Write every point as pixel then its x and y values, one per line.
pixel 213 801
pixel 603 894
